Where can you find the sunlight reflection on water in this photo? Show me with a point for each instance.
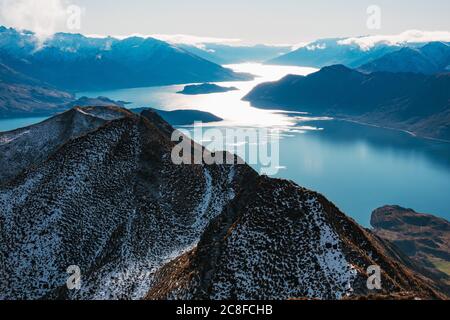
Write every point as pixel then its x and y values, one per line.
pixel 228 106
pixel 357 167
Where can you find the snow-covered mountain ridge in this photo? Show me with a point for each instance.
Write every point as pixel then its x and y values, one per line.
pixel 107 198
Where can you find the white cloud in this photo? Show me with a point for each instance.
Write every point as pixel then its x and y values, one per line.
pixel 298 45
pixel 197 41
pixel 175 38
pixel 40 16
pixel 410 36
pixel 193 40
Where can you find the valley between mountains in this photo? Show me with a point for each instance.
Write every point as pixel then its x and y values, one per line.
pixel 103 194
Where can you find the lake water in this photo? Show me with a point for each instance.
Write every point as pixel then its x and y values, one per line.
pixel 357 167
pixel 361 168
pixel 11 124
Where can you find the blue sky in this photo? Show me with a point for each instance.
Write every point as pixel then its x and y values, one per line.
pixel 255 21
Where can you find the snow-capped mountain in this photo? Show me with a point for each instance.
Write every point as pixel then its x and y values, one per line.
pixel 277 240
pixel 429 59
pixel 326 52
pixel 22 148
pixel 74 62
pixel 109 200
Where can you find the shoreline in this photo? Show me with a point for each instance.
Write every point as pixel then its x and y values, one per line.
pixel 391 128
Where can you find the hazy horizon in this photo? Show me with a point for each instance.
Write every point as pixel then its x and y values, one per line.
pixel 245 22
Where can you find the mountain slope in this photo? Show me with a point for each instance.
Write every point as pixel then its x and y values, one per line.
pixel 280 241
pixel 30 146
pixel 430 59
pixel 8 75
pixel 113 203
pixel 21 95
pixel 77 63
pixel 423 237
pixel 326 52
pixel 412 102
pixel 230 54
pixel 109 202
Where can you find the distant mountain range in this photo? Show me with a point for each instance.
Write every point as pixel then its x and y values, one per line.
pixel 230 54
pixel 74 62
pixel 414 102
pixel 104 195
pixel 434 57
pixel 23 96
pixel 429 59
pixel 326 52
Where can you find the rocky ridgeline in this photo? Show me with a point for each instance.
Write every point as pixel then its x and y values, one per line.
pixel 105 196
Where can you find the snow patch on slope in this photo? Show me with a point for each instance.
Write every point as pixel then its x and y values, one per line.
pixel 282 247
pixel 332 260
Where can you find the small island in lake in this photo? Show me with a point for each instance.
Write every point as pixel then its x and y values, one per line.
pixel 181 117
pixel 205 88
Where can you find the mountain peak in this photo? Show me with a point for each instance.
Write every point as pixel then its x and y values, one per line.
pixel 337 68
pixel 112 202
pixel 387 99
pixel 31 145
pixel 432 58
pixel 337 71
pixel 101 63
pixel 437 44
